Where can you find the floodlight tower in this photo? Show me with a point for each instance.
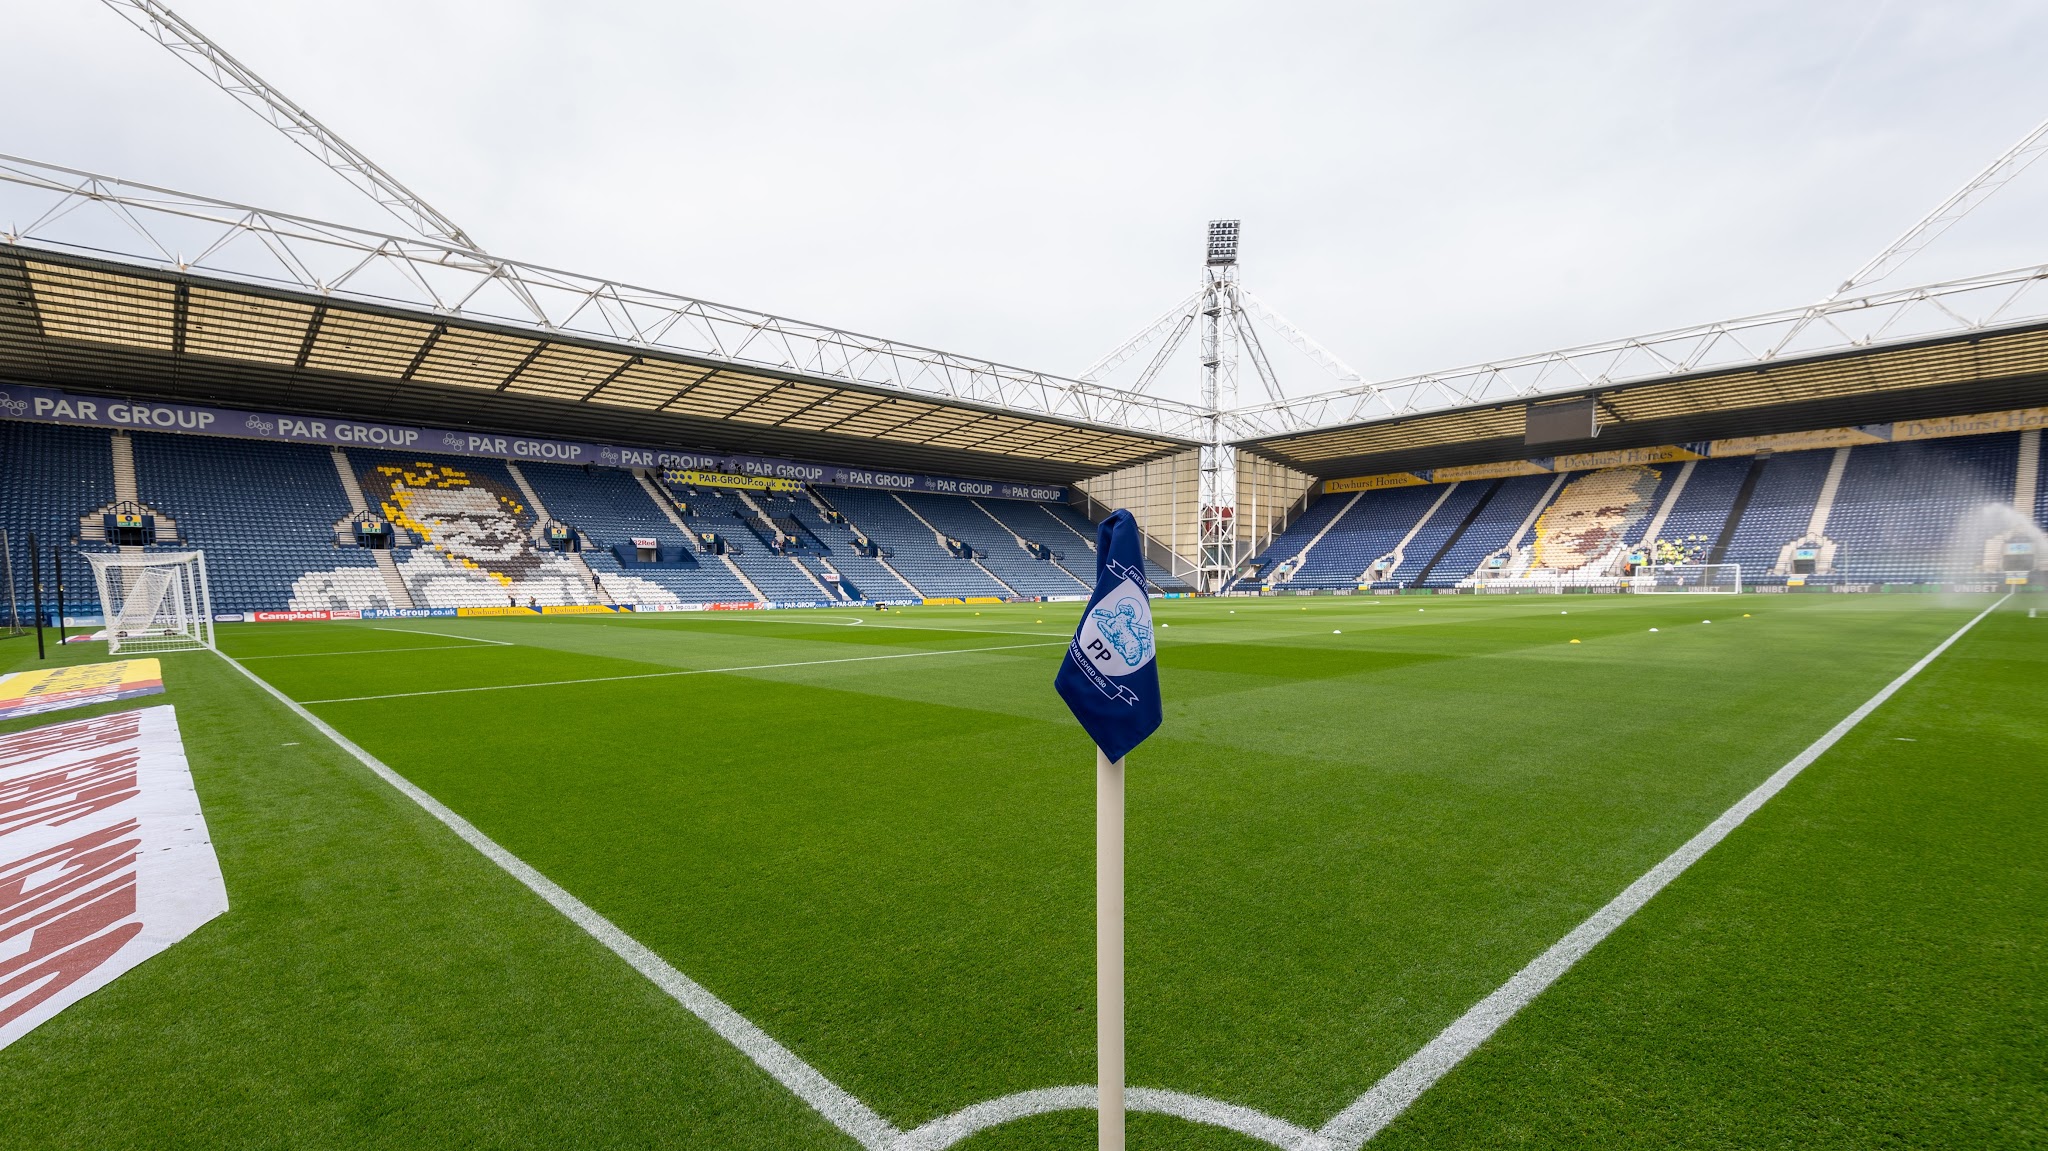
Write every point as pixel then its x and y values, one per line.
pixel 1222 317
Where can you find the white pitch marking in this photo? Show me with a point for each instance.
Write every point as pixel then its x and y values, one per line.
pixel 803 1080
pixel 1372 1111
pixel 448 635
pixel 679 672
pixel 367 651
pixel 1348 1131
pixel 948 1130
pixel 891 626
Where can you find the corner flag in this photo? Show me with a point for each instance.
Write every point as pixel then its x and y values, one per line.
pixel 1108 678
pixel 1111 685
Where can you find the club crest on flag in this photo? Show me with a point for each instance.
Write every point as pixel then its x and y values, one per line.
pixel 1109 679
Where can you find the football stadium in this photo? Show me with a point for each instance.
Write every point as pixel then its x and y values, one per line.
pixel 447 701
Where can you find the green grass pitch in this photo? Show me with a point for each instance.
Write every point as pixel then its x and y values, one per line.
pixel 872 836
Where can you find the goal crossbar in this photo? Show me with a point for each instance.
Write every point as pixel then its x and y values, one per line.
pixel 1687 579
pixel 154 602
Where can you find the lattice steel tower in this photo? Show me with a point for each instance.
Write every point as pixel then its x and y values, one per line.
pixel 1222 313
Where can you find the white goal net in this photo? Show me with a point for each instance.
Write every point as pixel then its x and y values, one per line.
pixel 1721 579
pixel 154 602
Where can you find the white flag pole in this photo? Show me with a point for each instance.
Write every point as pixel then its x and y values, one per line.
pixel 1109 951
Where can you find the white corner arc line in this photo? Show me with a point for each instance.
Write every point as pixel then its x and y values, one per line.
pixel 948 1130
pixel 679 672
pixel 806 1082
pixel 446 635
pixel 1373 1111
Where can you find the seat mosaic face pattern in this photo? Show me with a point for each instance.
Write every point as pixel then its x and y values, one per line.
pixel 476 544
pixel 1593 516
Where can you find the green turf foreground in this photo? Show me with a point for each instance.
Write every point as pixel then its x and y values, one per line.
pixel 874 841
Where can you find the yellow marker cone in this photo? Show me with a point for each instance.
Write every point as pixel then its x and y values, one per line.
pixel 1575 641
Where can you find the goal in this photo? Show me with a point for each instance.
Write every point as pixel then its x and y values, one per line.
pixel 1667 579
pixel 154 602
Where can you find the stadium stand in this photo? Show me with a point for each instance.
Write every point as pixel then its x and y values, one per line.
pixel 918 554
pixel 265 516
pixel 1487 531
pixel 1779 511
pixel 1702 510
pixel 726 514
pixel 1368 531
pixel 274 518
pixel 965 520
pixel 49 477
pixel 1896 517
pixel 869 577
pixel 609 507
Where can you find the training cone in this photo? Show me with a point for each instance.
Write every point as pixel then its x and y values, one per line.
pixel 1575 641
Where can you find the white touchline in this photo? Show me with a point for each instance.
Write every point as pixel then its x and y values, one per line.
pixel 844 1111
pixel 680 672
pixel 367 651
pixel 856 621
pixel 1350 1130
pixel 447 635
pixel 1372 1111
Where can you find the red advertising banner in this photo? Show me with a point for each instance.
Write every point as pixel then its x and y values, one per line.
pixel 104 858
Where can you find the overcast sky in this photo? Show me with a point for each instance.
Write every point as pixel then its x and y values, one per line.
pixel 1422 185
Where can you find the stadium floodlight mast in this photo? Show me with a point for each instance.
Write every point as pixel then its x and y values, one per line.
pixel 1224 308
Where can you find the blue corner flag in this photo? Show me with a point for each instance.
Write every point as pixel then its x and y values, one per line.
pixel 1108 679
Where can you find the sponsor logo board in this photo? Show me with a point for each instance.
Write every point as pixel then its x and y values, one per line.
pixel 50 405
pixel 474 612
pixel 577 609
pixel 105 858
pixel 409 613
pixel 289 616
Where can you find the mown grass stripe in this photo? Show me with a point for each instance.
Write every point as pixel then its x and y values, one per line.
pixel 806 1082
pixel 672 674
pixel 1373 1111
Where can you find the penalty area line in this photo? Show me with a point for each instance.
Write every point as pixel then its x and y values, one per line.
pixel 366 651
pixel 679 672
pixel 1373 1111
pixel 785 1066
pixel 447 635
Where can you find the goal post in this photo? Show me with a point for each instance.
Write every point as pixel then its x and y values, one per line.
pixel 154 602
pixel 1687 579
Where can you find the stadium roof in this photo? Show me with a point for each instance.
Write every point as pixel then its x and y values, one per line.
pixel 1952 375
pixel 111 284
pixel 230 304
